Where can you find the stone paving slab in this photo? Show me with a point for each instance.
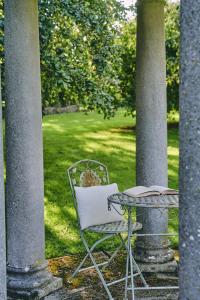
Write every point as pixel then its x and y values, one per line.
pixel 82 293
pixel 87 286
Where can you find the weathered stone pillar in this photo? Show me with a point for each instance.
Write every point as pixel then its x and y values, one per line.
pixel 189 221
pixel 3 286
pixel 151 130
pixel 27 268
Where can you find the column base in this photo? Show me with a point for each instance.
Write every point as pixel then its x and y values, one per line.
pixel 155 260
pixel 155 256
pixel 167 267
pixel 31 283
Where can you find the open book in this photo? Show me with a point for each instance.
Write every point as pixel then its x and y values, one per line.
pixel 154 190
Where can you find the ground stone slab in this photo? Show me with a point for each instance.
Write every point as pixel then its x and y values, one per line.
pixel 88 294
pixel 88 286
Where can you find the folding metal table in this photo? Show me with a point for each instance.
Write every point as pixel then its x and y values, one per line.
pixel 128 203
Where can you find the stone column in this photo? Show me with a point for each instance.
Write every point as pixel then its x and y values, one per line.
pixel 27 268
pixel 189 221
pixel 151 131
pixel 2 216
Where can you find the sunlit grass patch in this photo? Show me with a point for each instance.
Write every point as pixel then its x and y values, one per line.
pixel 75 136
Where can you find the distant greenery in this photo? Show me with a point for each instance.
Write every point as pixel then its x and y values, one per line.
pixel 172 51
pixel 127 73
pixel 71 137
pixel 88 54
pixel 127 69
pixel 78 53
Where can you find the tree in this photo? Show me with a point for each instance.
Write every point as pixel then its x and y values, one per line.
pixel 78 53
pixel 172 51
pixel 127 40
pixel 127 68
pixel 88 54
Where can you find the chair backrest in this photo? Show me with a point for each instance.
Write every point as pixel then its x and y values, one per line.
pixel 85 173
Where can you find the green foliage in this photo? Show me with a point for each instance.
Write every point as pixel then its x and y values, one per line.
pixel 127 68
pixel 172 52
pixel 88 54
pixel 78 54
pixel 127 40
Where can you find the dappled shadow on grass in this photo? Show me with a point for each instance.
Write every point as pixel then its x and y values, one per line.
pixel 65 144
pixel 72 137
pixel 173 169
pixel 132 128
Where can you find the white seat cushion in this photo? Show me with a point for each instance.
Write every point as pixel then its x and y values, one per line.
pixel 93 205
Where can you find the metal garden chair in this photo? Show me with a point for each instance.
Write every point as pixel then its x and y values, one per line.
pixel 85 173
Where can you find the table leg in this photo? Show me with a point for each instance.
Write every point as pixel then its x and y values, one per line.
pixel 127 273
pixel 129 261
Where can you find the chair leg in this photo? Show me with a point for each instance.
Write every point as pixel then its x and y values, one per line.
pixel 97 269
pixel 114 254
pixel 80 266
pixel 78 269
pixel 95 265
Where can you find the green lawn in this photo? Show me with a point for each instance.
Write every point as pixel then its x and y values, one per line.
pixel 75 136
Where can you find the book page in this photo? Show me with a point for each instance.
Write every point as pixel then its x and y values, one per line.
pixel 139 191
pixel 154 190
pixel 164 190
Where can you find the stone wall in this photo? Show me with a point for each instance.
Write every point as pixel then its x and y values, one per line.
pixel 60 110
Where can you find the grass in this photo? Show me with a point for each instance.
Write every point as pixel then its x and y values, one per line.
pixel 75 136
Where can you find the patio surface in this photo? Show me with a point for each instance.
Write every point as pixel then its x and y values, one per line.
pixel 88 286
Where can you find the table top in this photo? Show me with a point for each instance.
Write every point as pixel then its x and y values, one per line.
pixel 161 201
